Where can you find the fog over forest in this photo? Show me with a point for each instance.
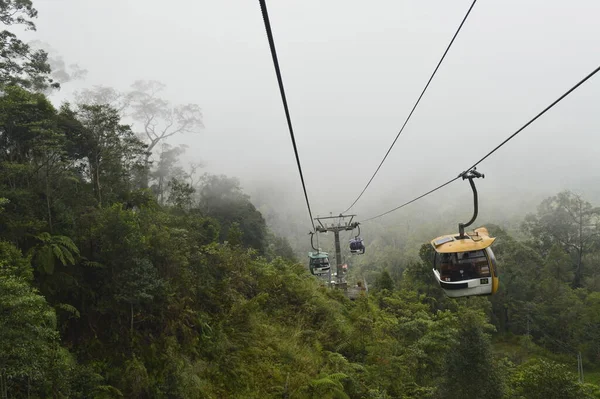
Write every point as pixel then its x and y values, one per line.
pixel 352 74
pixel 155 239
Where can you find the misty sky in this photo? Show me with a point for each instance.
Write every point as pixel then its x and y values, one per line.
pixel 352 71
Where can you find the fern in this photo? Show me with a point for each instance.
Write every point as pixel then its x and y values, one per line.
pixel 43 257
pixel 330 386
pixel 107 391
pixel 51 249
pixel 58 254
pixel 67 243
pixel 69 309
pixel 338 377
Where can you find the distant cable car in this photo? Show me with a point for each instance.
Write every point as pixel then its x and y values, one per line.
pixel 356 244
pixel 465 264
pixel 319 263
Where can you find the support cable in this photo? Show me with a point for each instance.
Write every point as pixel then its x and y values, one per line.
pixel 496 148
pixel 414 107
pixel 265 14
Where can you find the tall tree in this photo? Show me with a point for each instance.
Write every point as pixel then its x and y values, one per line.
pixel 112 152
pixel 159 118
pixel 137 284
pixel 542 379
pixel 102 95
pixel 32 160
pixel 180 194
pixel 19 64
pixel 570 221
pixel 558 264
pixel 28 335
pixel 167 169
pixel 60 71
pixel 221 197
pixel 470 372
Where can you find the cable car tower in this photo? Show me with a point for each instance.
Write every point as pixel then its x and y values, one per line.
pixel 323 227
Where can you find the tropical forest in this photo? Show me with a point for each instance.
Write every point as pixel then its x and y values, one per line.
pixel 128 272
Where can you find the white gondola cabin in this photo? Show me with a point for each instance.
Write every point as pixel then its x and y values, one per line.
pixel 466 266
pixel 318 263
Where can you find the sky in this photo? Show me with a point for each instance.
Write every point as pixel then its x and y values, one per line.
pixel 352 71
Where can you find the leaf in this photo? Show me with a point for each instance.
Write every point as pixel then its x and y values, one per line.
pixel 58 254
pixel 44 258
pixel 69 309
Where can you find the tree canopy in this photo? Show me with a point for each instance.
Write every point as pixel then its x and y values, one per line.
pixel 124 275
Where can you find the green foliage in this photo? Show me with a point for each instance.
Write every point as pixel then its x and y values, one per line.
pixel 114 155
pixel 221 198
pixel 20 64
pixel 235 234
pixel 138 283
pixel 279 246
pixel 13 264
pixel 470 371
pixel 181 291
pixel 136 378
pixel 384 281
pixel 50 249
pixel 558 265
pixel 329 387
pixel 28 336
pixel 180 195
pixel 167 172
pixel 542 379
pixel 569 221
pixel 3 201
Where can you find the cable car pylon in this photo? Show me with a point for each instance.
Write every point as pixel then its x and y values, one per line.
pixel 323 227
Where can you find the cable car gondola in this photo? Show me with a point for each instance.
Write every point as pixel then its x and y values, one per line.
pixel 465 264
pixel 356 244
pixel 319 263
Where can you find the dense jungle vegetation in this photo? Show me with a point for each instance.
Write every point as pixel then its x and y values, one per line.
pixel 124 276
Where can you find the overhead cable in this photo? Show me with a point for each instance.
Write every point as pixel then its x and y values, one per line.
pixel 413 200
pixel 582 81
pixel 497 147
pixel 265 14
pixel 414 107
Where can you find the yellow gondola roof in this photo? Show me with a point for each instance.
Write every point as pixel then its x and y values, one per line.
pixel 476 240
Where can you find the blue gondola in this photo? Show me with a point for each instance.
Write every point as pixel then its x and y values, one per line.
pixel 357 246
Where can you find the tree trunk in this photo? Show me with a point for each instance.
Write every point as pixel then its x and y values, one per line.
pixel 161 190
pixel 146 176
pixel 95 172
pixel 579 275
pixel 580 247
pixel 48 207
pixel 131 319
pixel 99 192
pixel 4 386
